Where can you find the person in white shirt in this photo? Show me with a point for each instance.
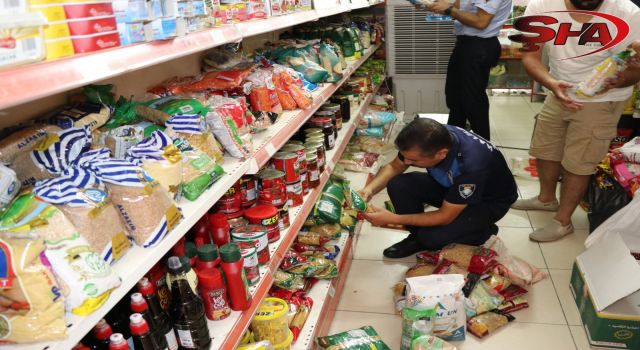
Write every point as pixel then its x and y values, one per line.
pixel 477 25
pixel 572 134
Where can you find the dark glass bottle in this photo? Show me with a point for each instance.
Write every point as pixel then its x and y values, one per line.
pixel 161 319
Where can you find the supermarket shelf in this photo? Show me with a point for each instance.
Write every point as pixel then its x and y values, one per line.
pixel 137 261
pixel 35 81
pixel 226 334
pixel 271 140
pixel 251 28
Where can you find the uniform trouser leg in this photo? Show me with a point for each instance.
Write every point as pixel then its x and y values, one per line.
pixel 467 80
pixel 409 192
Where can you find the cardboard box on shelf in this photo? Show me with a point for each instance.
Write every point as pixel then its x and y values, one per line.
pixel 606 289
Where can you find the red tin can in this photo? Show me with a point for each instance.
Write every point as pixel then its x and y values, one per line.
pixel 249 193
pixel 255 234
pixel 283 213
pixel 231 201
pixel 288 163
pixel 267 216
pixel 294 194
pixel 272 188
pixel 299 151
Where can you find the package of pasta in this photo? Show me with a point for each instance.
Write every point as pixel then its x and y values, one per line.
pixel 216 80
pixel 371 144
pixel 312 238
pixel 512 292
pixel 148 211
pixel 263 95
pixel 93 115
pixel 52 155
pixel 84 200
pixel 478 260
pixel 430 342
pixel 288 281
pixel 515 304
pixel 317 267
pixel 161 159
pixel 290 88
pixel 327 251
pixel 227 121
pixel 287 101
pixel 292 259
pixel 199 171
pixel 482 299
pixel 193 129
pixel 517 270
pixel 362 162
pixel 331 231
pixel 23 141
pixel 356 339
pixel 487 323
pixel 497 282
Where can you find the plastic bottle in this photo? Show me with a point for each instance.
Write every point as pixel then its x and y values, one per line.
pixel 186 310
pixel 237 286
pixel 119 320
pixel 161 318
pixel 139 305
pixel 213 292
pixel 202 231
pixel 191 275
pixel 117 342
pixel 143 338
pixel 178 249
pixel 207 258
pixel 102 331
pixel 219 229
pixel 192 253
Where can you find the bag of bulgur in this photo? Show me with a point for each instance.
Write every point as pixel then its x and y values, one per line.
pixel 23 141
pixel 193 128
pixel 161 159
pixel 52 155
pixel 148 211
pixel 83 199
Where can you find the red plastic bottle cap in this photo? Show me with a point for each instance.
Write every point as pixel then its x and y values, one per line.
pixel 138 325
pixel 102 330
pixel 138 304
pixel 145 287
pixel 209 278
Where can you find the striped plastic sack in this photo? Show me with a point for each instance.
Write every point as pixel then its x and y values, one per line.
pixel 147 209
pixel 52 155
pixel 158 156
pixel 84 201
pixel 193 129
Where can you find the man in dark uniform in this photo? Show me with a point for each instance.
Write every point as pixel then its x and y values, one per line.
pixel 467 179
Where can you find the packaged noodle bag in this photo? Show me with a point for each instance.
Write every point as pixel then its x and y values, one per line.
pixel 147 209
pixel 592 85
pixel 84 277
pixel 84 200
pixel 32 303
pixel 161 159
pixel 444 292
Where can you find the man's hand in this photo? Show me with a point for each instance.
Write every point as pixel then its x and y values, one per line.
pixel 366 194
pixel 438 6
pixel 381 217
pixel 559 89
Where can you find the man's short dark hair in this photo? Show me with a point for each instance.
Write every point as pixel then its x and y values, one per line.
pixel 426 134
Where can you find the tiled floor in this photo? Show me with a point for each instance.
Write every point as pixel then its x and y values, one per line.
pixel 552 321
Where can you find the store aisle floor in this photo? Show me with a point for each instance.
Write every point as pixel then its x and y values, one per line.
pixel 551 322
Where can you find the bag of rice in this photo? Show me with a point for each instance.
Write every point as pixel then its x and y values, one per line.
pixel 83 199
pixel 357 339
pixel 23 141
pixel 161 159
pixel 416 322
pixel 32 303
pixel 52 155
pixel 194 130
pixel 445 292
pixel 227 121
pixel 148 211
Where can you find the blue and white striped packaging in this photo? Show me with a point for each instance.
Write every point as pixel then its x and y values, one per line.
pixel 65 151
pixel 186 123
pixel 80 188
pixel 150 148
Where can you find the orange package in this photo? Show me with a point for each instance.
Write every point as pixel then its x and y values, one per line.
pixel 286 100
pixel 226 80
pixel 303 98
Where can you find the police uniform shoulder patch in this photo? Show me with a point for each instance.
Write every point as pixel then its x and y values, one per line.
pixel 466 190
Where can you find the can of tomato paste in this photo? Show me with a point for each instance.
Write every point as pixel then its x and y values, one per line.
pixel 248 191
pixel 272 188
pixel 230 202
pixel 287 162
pixel 255 234
pixel 267 216
pixel 251 271
pixel 294 194
pixel 300 153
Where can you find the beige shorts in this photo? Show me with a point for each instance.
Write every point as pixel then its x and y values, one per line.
pixel 577 139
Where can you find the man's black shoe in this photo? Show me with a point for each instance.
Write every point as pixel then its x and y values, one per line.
pixel 403 249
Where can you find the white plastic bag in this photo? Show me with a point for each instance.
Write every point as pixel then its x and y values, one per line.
pixel 517 270
pixel 445 293
pixel 631 150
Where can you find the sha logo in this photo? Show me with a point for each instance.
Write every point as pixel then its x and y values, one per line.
pixel 466 190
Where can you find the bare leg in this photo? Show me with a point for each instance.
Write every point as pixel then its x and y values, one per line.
pixel 571 192
pixel 548 172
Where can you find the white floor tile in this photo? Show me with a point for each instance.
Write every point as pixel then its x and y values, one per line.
pixel 561 280
pixel 544 306
pixel 580 337
pixel 516 239
pixel 373 240
pixel 522 336
pixel 368 286
pixel 541 218
pixel 561 253
pixel 515 218
pixel 389 327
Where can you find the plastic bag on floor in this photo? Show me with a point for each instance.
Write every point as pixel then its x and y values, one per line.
pixel 624 222
pixel 517 270
pixel 356 339
pixel 605 197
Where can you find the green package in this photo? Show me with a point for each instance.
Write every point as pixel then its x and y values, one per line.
pixel 364 338
pixel 416 322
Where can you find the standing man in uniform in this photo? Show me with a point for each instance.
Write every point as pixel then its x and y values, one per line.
pixel 467 179
pixel 572 135
pixel 477 25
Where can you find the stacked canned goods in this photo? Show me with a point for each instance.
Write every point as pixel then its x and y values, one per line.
pixel 287 162
pixel 272 190
pixel 299 150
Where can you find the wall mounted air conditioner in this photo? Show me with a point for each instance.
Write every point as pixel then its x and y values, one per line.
pixel 417 56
